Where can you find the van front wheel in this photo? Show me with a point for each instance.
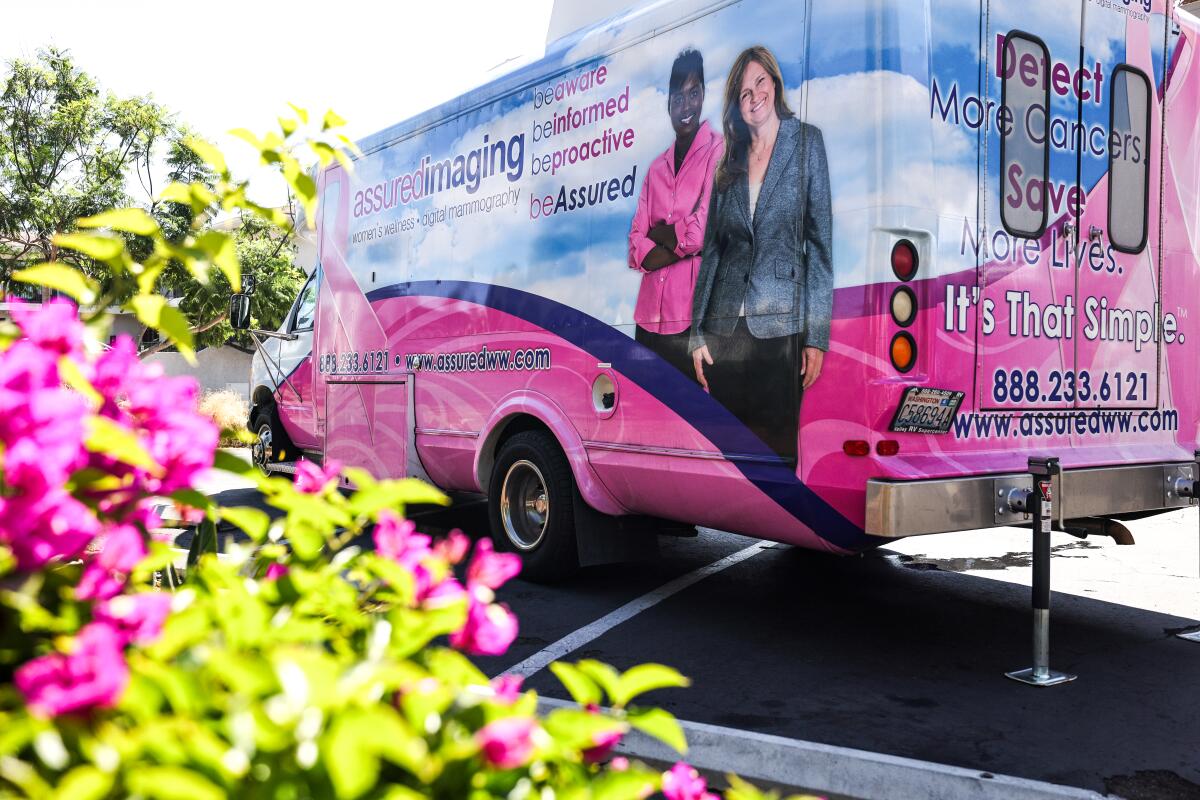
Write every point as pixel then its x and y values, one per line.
pixel 530 504
pixel 271 444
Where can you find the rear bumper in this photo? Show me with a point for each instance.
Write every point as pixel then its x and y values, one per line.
pixel 911 508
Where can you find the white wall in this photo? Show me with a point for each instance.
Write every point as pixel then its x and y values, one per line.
pixel 216 368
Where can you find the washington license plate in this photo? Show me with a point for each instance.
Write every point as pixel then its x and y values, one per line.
pixel 926 410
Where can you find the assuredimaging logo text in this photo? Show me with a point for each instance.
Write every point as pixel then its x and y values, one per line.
pixel 465 170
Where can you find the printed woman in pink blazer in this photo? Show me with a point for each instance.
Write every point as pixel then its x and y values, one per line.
pixel 667 234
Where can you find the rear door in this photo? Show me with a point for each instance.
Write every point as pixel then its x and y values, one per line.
pixel 1117 349
pixel 1070 313
pixel 1025 348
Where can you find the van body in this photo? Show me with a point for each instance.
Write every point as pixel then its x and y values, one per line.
pixel 1006 201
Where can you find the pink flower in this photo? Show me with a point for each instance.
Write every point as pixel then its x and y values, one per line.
pixel 683 782
pixel 619 764
pixel 454 547
pixel 602 746
pixel 275 571
pixel 53 526
pixel 438 595
pixel 105 574
pixel 138 618
pixel 489 630
pixel 311 479
pixel 507 688
pixel 489 568
pixel 397 539
pixel 93 675
pixel 54 326
pixel 507 743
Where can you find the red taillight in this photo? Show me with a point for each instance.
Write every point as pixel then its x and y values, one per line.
pixel 887 447
pixel 856 447
pixel 904 260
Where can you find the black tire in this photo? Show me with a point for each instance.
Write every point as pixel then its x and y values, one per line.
pixel 272 444
pixel 531 506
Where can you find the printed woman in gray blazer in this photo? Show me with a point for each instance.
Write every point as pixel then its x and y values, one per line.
pixel 764 294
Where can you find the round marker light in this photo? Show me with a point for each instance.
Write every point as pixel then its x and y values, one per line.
pixel 904 306
pixel 904 260
pixel 856 447
pixel 887 447
pixel 904 351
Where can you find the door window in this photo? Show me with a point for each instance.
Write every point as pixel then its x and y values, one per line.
pixel 1129 159
pixel 306 306
pixel 1024 135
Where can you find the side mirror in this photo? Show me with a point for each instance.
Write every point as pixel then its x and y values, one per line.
pixel 239 312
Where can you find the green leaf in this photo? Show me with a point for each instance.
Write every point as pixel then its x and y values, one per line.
pixel 72 375
pixel 247 137
pixel 112 439
pixel 302 113
pixel 191 497
pixel 579 730
pixel 629 785
pixel 351 760
pixel 741 790
pixel 331 120
pixel 605 676
pixel 661 725
pixel 153 311
pixel 129 220
pixel 204 541
pixel 646 678
pixel 172 783
pixel 208 153
pixel 453 668
pixel 222 251
pixel 288 125
pixel 583 689
pixel 61 278
pixel 84 783
pixel 228 462
pixel 371 498
pixel 108 249
pixel 324 152
pixel 254 521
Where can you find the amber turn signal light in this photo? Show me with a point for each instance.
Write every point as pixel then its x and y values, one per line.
pixel 904 351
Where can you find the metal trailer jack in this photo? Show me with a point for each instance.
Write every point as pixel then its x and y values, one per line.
pixel 1190 489
pixel 1039 501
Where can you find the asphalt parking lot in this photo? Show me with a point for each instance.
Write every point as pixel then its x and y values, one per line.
pixel 902 651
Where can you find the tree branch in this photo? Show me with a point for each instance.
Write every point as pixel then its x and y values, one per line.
pixel 163 345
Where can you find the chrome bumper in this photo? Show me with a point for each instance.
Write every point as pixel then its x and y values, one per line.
pixel 912 508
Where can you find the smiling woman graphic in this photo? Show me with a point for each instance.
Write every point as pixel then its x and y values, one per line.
pixel 668 227
pixel 764 296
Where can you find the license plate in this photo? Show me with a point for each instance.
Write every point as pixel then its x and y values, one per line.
pixel 926 410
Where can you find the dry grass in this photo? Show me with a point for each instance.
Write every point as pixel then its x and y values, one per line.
pixel 228 410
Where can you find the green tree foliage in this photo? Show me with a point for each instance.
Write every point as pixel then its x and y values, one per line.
pixel 67 151
pixel 267 254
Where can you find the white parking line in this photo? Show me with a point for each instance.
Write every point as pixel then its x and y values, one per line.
pixel 579 638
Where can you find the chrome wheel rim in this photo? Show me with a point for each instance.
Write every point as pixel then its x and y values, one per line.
pixel 263 450
pixel 524 505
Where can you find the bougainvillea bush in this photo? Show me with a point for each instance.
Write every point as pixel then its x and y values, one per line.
pixel 328 656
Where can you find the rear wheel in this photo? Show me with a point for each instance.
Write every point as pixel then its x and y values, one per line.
pixel 531 506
